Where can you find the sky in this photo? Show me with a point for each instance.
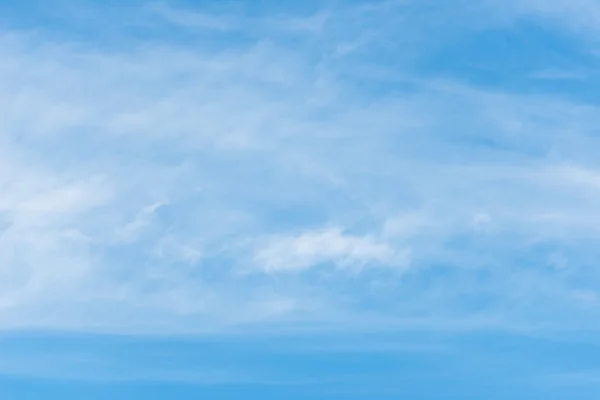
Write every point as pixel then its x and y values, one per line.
pixel 336 199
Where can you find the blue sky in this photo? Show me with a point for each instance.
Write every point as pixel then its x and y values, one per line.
pixel 305 200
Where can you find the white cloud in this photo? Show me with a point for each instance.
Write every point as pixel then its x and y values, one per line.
pixel 313 248
pixel 132 230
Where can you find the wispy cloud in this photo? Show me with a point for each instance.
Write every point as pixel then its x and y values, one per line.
pixel 141 183
pixel 311 249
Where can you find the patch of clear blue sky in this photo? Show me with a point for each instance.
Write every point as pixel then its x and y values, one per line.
pixel 325 366
pixel 529 57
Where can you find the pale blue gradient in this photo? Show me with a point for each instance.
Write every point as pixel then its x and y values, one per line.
pixel 309 200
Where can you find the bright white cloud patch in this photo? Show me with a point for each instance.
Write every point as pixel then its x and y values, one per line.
pixel 311 249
